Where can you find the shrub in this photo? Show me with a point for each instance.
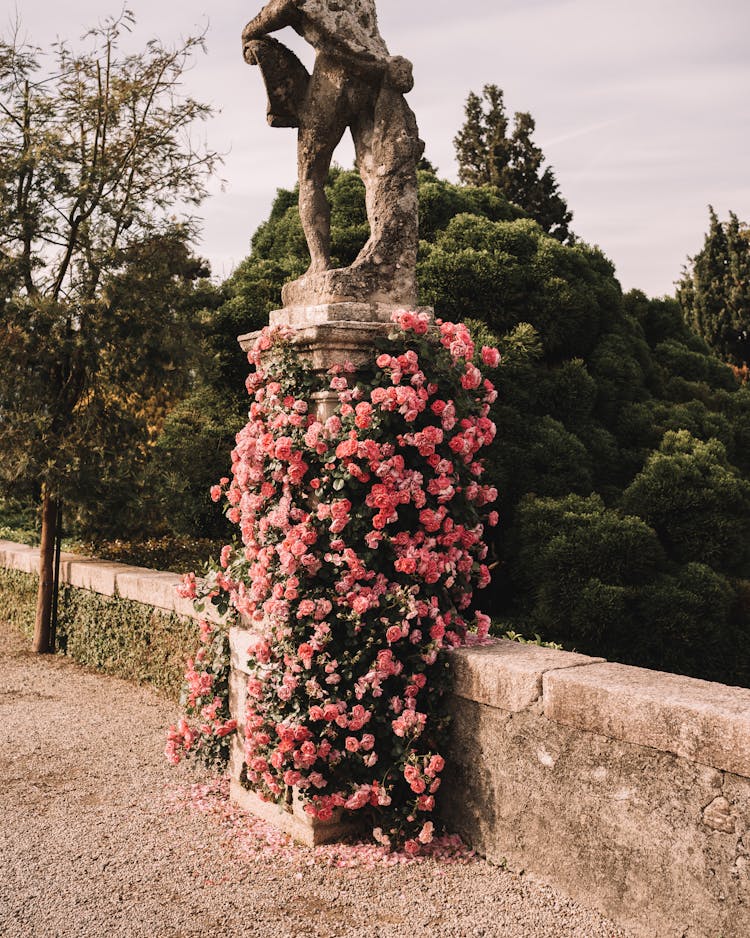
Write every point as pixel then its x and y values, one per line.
pixel 696 501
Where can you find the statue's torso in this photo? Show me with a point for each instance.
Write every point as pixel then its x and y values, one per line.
pixel 351 25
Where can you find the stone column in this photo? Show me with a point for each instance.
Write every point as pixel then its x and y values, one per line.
pixel 326 334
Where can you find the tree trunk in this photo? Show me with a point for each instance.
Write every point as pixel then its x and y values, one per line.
pixel 42 643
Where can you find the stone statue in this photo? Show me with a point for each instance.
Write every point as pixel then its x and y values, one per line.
pixel 357 85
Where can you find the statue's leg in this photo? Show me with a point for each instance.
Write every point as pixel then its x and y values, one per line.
pixel 388 147
pixel 322 125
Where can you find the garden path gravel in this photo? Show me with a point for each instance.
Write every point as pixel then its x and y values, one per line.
pixel 91 843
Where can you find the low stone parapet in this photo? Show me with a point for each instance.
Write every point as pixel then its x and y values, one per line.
pixel 629 789
pixel 153 588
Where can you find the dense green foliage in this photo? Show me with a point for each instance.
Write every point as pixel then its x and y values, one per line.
pixel 19 521
pixel 489 156
pixel 623 479
pixel 125 638
pixel 623 448
pixel 171 552
pixel 18 599
pixel 115 636
pixel 714 291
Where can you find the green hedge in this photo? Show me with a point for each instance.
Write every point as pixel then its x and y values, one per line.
pixel 116 636
pixel 18 599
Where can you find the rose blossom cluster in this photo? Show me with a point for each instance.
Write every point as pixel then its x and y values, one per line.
pixel 362 545
pixel 206 727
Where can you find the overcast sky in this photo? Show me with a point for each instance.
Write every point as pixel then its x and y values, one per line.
pixel 642 107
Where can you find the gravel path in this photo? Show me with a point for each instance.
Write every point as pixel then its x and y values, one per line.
pixel 92 844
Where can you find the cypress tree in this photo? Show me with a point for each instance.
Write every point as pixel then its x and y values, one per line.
pixel 488 156
pixel 714 292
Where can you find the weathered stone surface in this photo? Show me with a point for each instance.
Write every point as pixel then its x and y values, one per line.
pixel 236 757
pixel 357 85
pixel 718 816
pixel 292 819
pixel 150 587
pixel 238 697
pixel 96 575
pixel 6 545
pixel 239 641
pixel 506 674
pixel 333 334
pixel 20 557
pixel 184 607
pixel 615 825
pixel 705 722
pixel 299 316
pixel 286 79
pixel 331 343
pixel 8 550
pixel 384 284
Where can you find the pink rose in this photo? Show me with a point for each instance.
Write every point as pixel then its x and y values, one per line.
pixel 490 356
pixel 306 653
pixel 437 764
pixel 393 634
pixel 411 773
pixel 359 799
pixel 346 448
pixel 187 587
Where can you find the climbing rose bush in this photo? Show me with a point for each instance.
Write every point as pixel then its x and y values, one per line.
pixel 206 727
pixel 361 548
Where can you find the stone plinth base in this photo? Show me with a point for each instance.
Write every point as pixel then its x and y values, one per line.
pixel 333 333
pixel 326 333
pixel 290 817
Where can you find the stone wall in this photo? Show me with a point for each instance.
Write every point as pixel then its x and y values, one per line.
pixel 149 587
pixel 626 788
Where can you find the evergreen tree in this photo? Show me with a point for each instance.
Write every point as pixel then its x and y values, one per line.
pixel 714 291
pixel 488 156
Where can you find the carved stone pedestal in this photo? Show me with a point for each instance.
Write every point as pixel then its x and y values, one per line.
pixel 333 333
pixel 289 817
pixel 326 334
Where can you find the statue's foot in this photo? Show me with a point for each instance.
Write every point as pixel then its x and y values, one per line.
pixel 370 279
pixel 373 257
pixel 316 268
